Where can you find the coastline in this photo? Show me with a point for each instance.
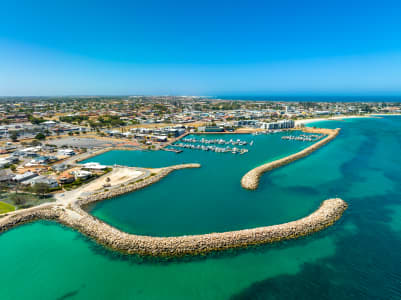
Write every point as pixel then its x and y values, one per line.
pixel 71 212
pixel 336 118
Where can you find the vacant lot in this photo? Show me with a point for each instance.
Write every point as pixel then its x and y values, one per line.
pixel 83 142
pixel 5 207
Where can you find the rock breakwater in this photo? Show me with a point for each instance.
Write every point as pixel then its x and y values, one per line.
pixel 250 180
pixel 329 212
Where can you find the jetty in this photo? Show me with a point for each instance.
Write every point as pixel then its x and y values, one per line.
pixel 171 150
pixel 250 180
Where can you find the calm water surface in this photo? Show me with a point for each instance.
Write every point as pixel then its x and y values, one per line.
pixel 208 199
pixel 358 258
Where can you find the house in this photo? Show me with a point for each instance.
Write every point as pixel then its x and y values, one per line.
pixel 50 182
pixel 25 176
pixel 6 176
pixel 66 179
pixel 40 160
pixel 4 162
pixel 60 167
pixel 82 174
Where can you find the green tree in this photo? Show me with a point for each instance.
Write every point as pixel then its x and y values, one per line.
pixel 14 136
pixel 18 199
pixel 40 188
pixel 40 136
pixel 36 143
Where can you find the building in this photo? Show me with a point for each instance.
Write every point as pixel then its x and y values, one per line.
pixel 66 152
pixel 50 182
pixel 82 175
pixel 25 176
pixel 283 124
pixel 210 129
pixel 66 179
pixel 245 123
pixel 93 166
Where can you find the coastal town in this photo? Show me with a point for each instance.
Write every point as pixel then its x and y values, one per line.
pixel 47 172
pixel 43 139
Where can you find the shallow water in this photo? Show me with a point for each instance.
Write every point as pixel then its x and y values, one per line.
pixel 358 258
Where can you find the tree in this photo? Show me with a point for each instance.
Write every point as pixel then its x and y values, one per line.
pixel 40 188
pixel 40 136
pixel 35 121
pixel 36 143
pixel 18 199
pixel 14 136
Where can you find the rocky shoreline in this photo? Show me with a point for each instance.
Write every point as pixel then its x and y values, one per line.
pixel 250 180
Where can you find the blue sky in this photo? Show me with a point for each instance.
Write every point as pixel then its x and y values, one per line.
pixel 200 47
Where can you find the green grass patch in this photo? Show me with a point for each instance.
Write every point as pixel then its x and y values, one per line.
pixel 5 207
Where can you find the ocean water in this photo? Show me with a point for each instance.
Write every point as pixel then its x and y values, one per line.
pixel 357 258
pixel 311 98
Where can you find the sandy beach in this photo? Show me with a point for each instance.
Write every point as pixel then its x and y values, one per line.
pixel 307 121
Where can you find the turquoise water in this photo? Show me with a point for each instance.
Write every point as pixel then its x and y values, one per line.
pixel 209 199
pixel 358 258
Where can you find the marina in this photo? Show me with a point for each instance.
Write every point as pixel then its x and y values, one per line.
pixel 303 137
pixel 216 149
pixel 215 141
pixel 218 145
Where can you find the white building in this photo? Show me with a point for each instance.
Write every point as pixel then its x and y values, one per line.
pixel 283 124
pixel 66 152
pixel 82 174
pixel 93 166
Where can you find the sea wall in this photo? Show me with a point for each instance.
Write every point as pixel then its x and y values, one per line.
pixel 250 180
pixel 29 215
pixel 328 213
pixel 130 186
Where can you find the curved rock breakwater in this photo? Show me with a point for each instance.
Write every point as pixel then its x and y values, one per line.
pixel 250 180
pixel 329 212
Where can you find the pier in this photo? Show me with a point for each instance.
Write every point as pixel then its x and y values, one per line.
pixel 213 148
pixel 171 150
pixel 302 137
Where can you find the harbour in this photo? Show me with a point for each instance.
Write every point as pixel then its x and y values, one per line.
pixel 370 223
